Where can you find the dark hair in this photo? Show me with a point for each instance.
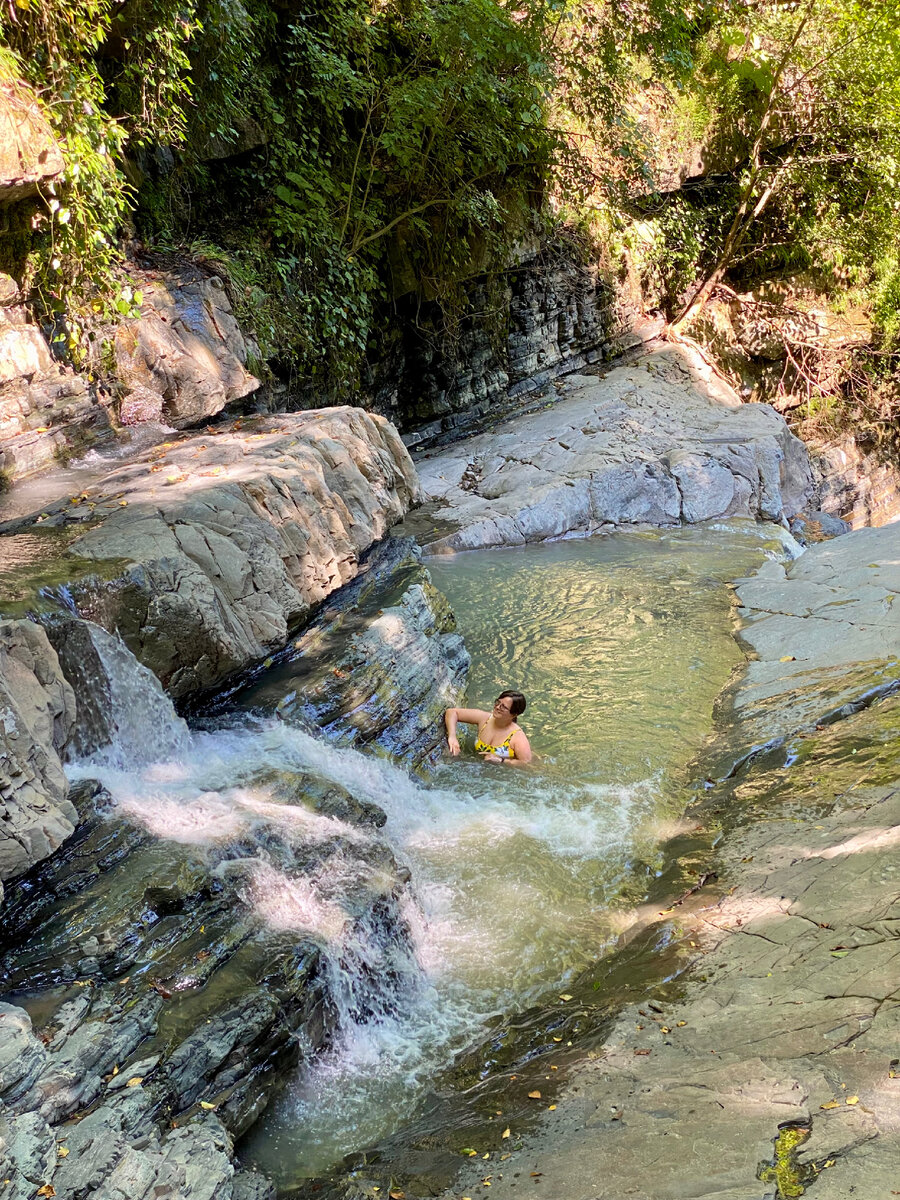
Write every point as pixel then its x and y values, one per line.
pixel 519 703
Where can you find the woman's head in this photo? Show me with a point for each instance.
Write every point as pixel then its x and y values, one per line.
pixel 511 704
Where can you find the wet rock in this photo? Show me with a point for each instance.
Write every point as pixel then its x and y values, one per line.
pixel 209 940
pixel 378 667
pixel 22 1055
pixel 37 712
pixel 657 442
pixel 120 701
pixel 813 526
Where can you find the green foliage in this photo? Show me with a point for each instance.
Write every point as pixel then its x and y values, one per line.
pixel 62 47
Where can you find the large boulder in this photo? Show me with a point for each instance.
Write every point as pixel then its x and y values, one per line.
pixel 209 551
pixel 47 411
pixel 186 350
pixel 659 441
pixel 37 713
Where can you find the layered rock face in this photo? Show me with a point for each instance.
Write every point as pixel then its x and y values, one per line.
pixel 657 442
pixel 854 484
pixel 47 411
pixel 550 315
pixel 210 550
pixel 37 714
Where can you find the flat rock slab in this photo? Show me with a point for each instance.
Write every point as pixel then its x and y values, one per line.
pixel 793 1016
pixel 824 631
pixel 659 441
pixel 204 553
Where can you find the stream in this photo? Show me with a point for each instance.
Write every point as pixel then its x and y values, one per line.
pixel 510 882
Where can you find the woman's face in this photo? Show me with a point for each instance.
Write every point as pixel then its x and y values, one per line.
pixel 503 709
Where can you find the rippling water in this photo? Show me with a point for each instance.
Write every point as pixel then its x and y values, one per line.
pixel 621 645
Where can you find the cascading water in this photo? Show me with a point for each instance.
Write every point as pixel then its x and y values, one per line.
pixel 487 887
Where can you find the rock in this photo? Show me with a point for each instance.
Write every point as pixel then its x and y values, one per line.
pixel 37 713
pixel 46 411
pixel 22 1056
pixel 378 666
pixel 813 526
pixel 657 442
pixel 556 313
pixel 186 349
pixel 29 153
pixel 643 494
pixel 211 550
pixel 121 701
pixel 853 483
pixel 828 615
pixel 9 291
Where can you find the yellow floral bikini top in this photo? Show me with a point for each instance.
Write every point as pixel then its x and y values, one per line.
pixel 503 751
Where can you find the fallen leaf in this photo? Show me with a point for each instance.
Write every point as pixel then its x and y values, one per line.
pixel 663 1029
pixel 47 1190
pixel 853 1099
pixel 787 658
pixel 831 1104
pixel 62 1151
pixel 206 1104
pixel 534 1095
pixel 397 1195
pixel 505 1133
pixel 536 1174
pixel 681 1024
pixel 839 953
pixel 565 996
pixel 134 1081
pixel 468 1151
pixel 644 1052
pixel 115 1070
pixel 551 1107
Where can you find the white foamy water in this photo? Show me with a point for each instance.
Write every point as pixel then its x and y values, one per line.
pixel 515 875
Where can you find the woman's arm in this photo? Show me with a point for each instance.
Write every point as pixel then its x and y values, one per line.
pixel 468 716
pixel 522 748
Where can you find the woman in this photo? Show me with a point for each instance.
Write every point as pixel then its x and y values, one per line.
pixel 500 740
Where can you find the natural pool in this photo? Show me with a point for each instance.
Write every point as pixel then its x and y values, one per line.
pixel 524 877
pixel 487 893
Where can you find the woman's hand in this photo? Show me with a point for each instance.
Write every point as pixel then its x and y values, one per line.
pixel 492 758
pixel 453 746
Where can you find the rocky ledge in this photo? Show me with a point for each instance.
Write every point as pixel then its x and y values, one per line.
pixel 658 441
pixel 776 1066
pixel 203 553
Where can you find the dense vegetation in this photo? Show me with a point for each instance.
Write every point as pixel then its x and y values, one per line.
pixel 333 155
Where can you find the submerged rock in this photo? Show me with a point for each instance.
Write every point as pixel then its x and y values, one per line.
pixel 657 442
